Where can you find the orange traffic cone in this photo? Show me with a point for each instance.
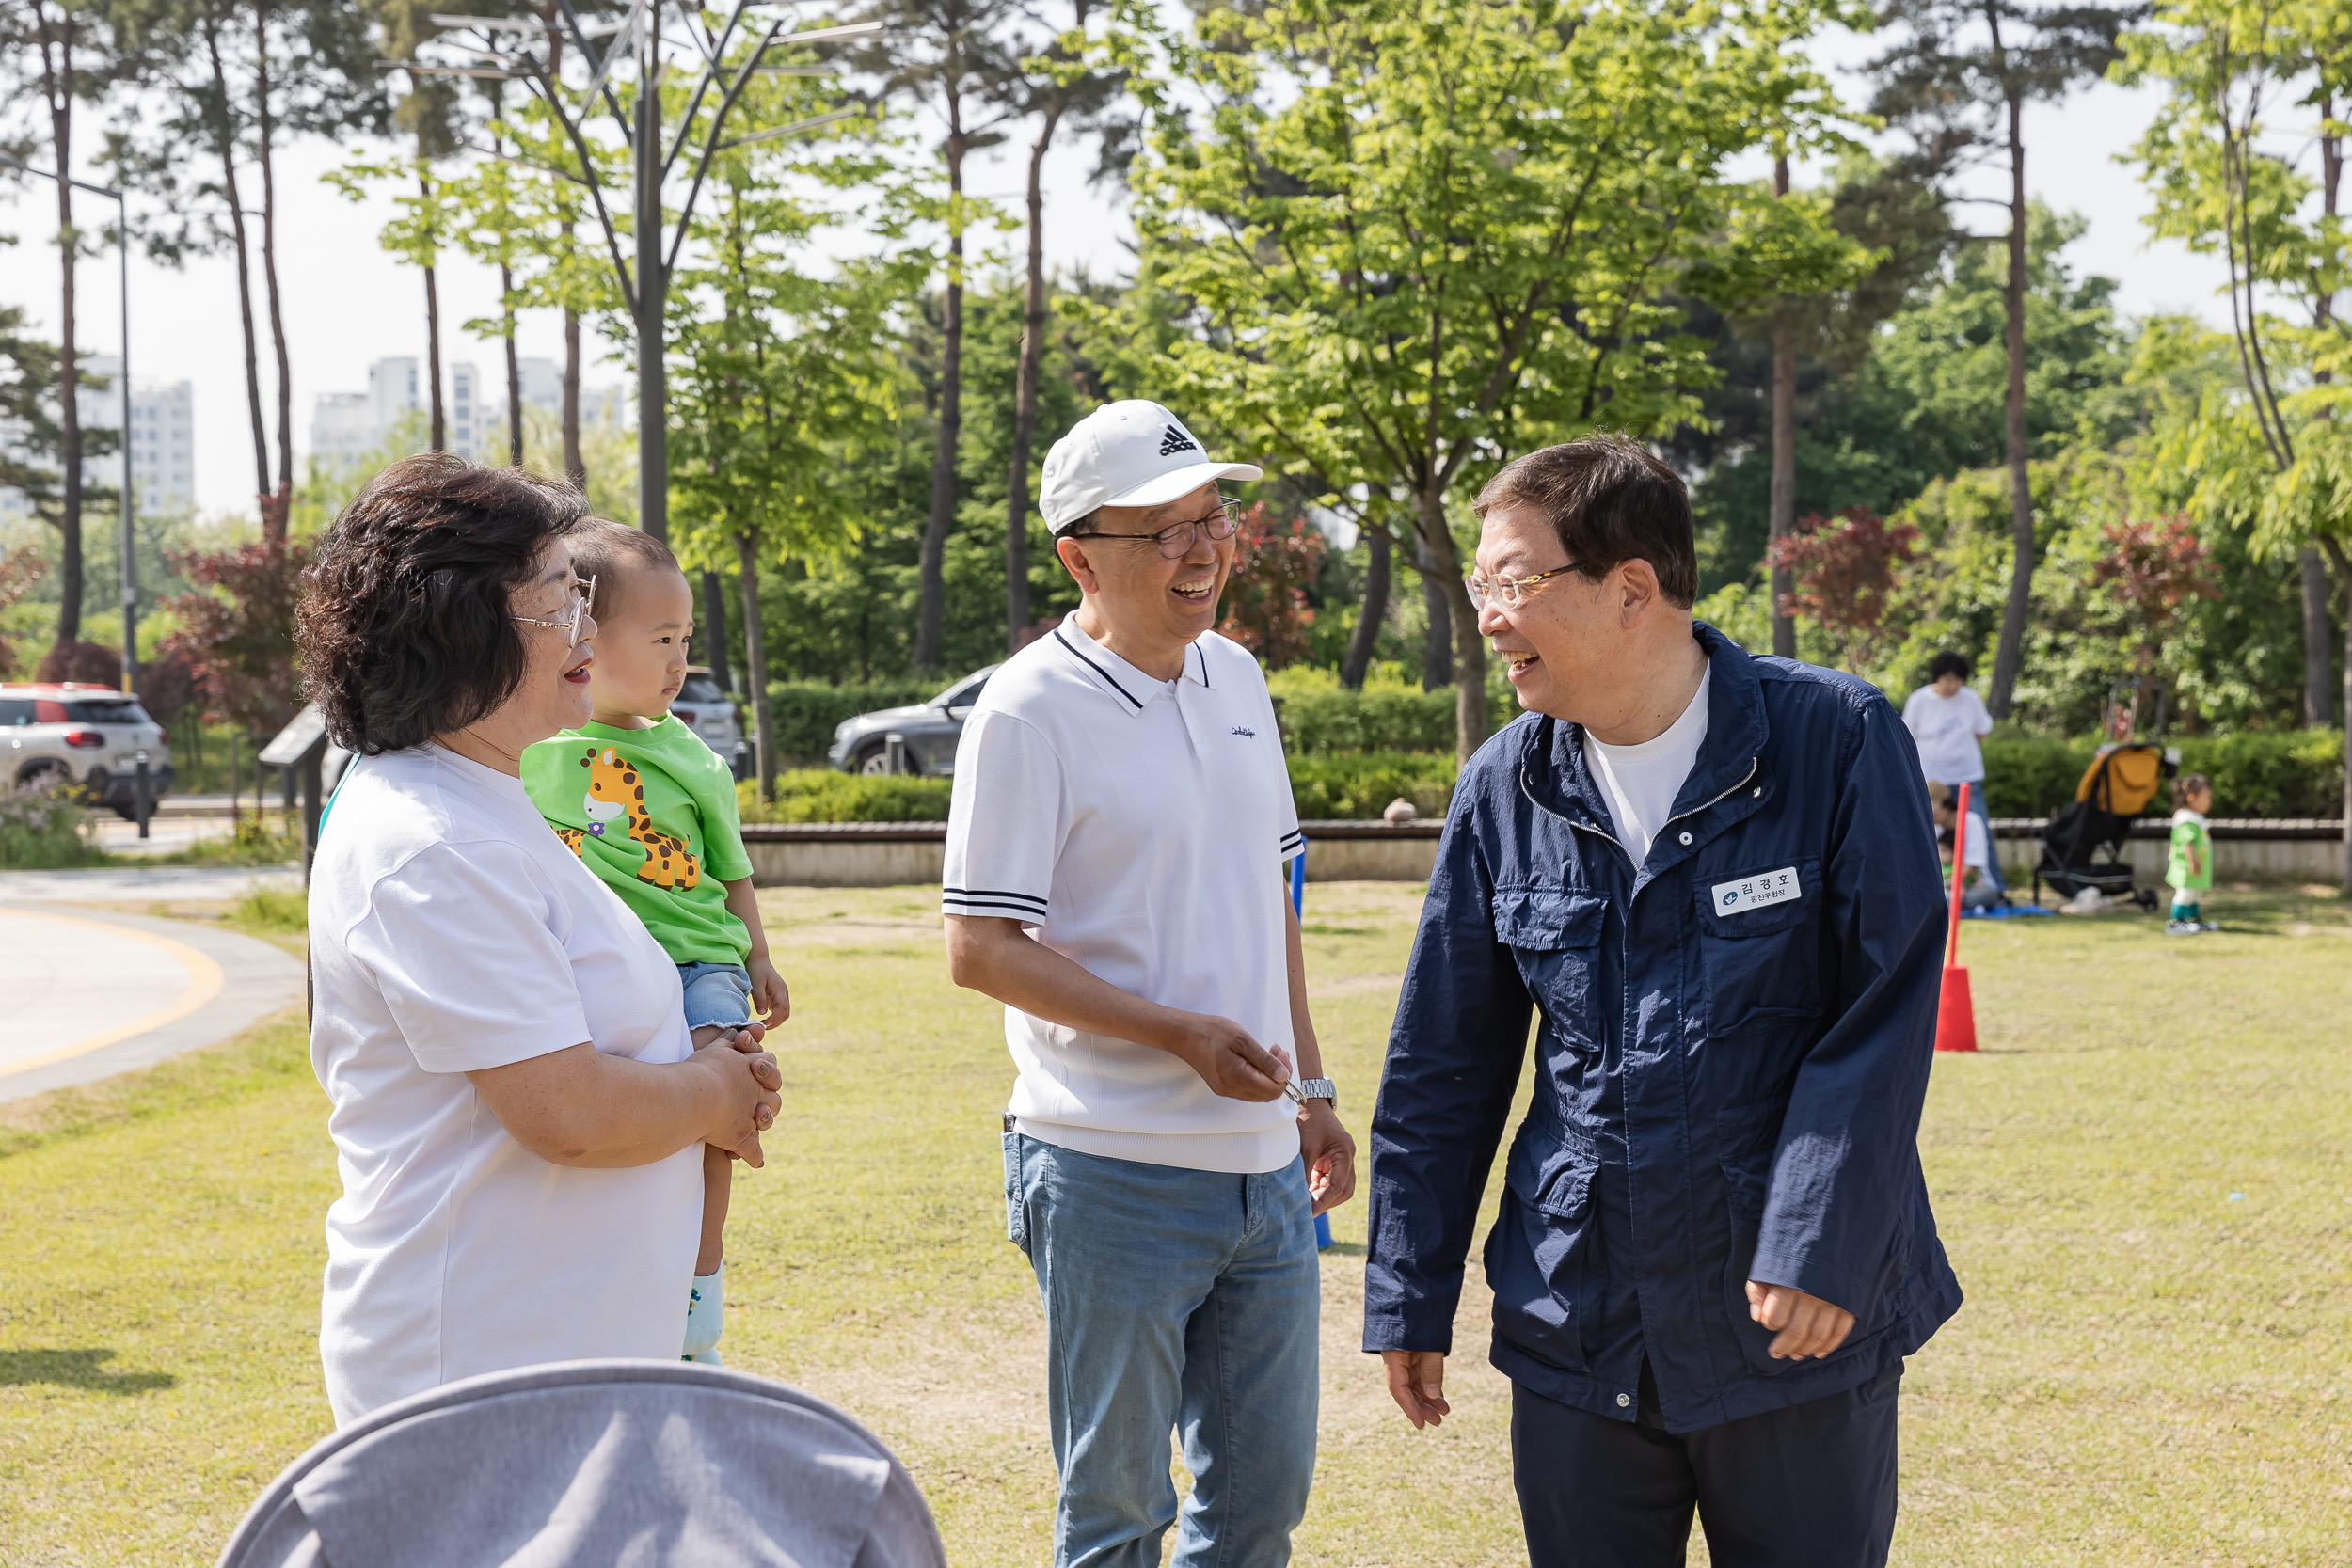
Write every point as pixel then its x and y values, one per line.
pixel 1955 1013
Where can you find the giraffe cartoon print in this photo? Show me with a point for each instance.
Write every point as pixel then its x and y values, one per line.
pixel 615 794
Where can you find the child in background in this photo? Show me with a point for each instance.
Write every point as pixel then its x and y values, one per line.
pixel 651 810
pixel 2189 868
pixel 1978 891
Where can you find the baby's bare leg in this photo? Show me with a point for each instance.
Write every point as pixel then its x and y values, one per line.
pixel 717 1180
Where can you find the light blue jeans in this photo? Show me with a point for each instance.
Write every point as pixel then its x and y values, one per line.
pixel 1175 1300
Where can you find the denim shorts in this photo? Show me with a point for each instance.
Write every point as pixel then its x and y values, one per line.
pixel 716 993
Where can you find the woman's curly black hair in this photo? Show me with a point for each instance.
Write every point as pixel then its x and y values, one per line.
pixel 404 629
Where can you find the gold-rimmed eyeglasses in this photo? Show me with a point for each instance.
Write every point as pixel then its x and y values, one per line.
pixel 1177 538
pixel 573 615
pixel 1506 591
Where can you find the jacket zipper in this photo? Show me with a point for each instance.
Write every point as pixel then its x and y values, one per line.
pixel 1661 827
pixel 1704 805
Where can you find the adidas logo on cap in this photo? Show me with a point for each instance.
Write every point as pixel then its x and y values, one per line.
pixel 1174 440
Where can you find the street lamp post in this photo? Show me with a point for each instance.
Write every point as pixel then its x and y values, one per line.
pixel 700 135
pixel 129 572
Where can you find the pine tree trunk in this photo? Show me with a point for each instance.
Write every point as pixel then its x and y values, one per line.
pixel 755 664
pixel 1781 512
pixel 272 516
pixel 440 415
pixel 57 84
pixel 1442 567
pixel 574 464
pixel 1025 399
pixel 514 375
pixel 1365 638
pixel 930 616
pixel 1436 637
pixel 226 134
pixel 2009 654
pixel 2319 708
pixel 714 631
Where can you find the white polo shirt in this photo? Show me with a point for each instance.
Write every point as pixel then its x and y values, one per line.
pixel 1139 827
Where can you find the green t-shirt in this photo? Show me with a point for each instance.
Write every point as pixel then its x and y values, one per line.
pixel 652 812
pixel 2190 866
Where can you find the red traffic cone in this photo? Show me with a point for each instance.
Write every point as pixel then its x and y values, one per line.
pixel 1955 1014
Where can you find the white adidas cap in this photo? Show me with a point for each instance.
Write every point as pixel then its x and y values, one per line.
pixel 1131 454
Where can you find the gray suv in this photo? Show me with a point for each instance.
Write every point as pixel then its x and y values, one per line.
pixel 88 735
pixel 929 730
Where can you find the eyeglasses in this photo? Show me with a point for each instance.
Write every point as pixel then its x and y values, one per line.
pixel 1506 591
pixel 1177 538
pixel 574 612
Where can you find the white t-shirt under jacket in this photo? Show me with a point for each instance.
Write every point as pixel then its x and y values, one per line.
pixel 1137 827
pixel 451 931
pixel 1641 781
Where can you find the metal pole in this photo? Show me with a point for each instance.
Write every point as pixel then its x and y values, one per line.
pixel 653 287
pixel 129 537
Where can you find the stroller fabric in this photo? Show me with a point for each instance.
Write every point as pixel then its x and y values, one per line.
pixel 2121 780
pixel 639 1463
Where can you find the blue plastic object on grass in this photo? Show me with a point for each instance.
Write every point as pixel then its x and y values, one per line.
pixel 1299 908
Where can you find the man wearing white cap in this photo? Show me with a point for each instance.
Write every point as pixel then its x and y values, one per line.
pixel 1121 815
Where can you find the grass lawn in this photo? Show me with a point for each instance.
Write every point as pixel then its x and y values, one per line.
pixel 2141 1179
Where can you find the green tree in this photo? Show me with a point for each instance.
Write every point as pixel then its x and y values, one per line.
pixel 1927 402
pixel 785 381
pixel 54 56
pixel 1415 239
pixel 952 58
pixel 1958 77
pixel 2275 457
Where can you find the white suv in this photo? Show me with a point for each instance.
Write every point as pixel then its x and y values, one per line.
pixel 88 735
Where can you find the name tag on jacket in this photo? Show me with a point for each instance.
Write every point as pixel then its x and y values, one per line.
pixel 1754 893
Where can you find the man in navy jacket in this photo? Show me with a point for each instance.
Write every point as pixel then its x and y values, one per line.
pixel 1715 878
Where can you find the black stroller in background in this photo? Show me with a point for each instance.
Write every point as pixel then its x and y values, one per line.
pixel 2117 787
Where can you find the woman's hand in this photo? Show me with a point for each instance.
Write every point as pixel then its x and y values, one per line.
pixel 751 1082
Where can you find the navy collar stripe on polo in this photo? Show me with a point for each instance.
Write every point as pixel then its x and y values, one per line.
pixel 1109 678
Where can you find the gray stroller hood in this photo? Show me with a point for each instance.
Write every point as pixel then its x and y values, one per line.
pixel 614 1464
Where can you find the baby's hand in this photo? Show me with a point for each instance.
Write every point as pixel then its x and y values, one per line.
pixel 769 994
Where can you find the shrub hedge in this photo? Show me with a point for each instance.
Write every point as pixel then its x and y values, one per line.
pixel 822 795
pixel 1315 722
pixel 807 712
pixel 2287 773
pixel 1358 785
pixel 1353 753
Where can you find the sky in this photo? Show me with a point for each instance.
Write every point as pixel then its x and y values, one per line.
pixel 348 304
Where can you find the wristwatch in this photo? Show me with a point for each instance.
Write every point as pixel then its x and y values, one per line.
pixel 1318 1088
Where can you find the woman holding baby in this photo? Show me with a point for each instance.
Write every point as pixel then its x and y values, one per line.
pixel 518 1110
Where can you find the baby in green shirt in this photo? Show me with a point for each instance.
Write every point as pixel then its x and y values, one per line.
pixel 650 809
pixel 2188 868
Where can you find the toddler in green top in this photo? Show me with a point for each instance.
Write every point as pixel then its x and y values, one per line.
pixel 650 809
pixel 2189 868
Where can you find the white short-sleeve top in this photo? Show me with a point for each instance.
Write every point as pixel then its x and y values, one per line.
pixel 1137 827
pixel 451 930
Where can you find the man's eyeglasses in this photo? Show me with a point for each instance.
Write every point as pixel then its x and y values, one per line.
pixel 1507 591
pixel 573 613
pixel 1177 538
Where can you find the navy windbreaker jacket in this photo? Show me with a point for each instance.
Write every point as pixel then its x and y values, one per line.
pixel 1735 1045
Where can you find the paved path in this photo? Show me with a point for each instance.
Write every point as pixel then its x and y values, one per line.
pixel 156 884
pixel 92 992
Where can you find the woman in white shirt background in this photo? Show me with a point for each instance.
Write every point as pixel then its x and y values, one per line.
pixel 517 1108
pixel 1947 719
